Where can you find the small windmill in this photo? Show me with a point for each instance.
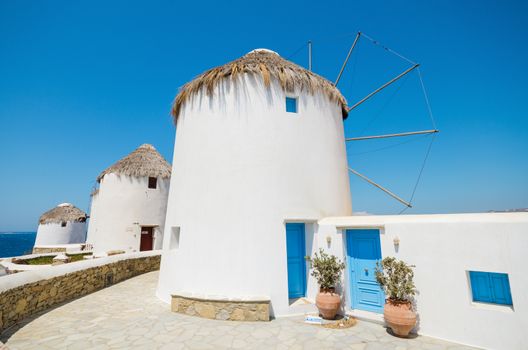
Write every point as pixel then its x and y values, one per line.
pixel 413 67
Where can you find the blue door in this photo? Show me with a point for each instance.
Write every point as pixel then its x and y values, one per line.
pixel 364 250
pixel 296 263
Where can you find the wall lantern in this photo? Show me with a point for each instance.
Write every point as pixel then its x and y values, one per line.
pixel 396 241
pixel 328 240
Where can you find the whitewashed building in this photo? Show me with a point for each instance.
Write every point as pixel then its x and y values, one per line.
pixel 129 206
pixel 259 145
pixel 260 181
pixel 65 224
pixel 469 271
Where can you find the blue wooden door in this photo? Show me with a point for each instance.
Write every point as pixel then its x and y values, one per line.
pixel 295 247
pixel 364 250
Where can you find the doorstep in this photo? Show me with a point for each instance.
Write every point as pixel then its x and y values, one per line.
pixel 367 316
pixel 301 306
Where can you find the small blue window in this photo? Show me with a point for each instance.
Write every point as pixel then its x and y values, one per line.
pixel 291 104
pixel 490 287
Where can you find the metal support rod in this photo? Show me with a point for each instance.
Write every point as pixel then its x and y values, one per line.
pixel 380 187
pixel 392 135
pixel 348 56
pixel 384 86
pixel 310 55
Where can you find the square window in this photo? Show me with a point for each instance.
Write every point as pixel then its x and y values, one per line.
pixel 63 224
pixel 291 104
pixel 490 287
pixel 152 182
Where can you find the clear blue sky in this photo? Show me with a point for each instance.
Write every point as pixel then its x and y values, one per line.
pixel 83 83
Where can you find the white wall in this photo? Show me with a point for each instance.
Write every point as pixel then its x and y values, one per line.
pixel 444 248
pixel 121 206
pixel 242 167
pixel 54 233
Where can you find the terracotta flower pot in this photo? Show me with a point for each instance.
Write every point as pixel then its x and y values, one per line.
pixel 328 303
pixel 399 317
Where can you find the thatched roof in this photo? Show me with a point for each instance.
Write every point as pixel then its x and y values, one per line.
pixel 144 161
pixel 267 64
pixel 63 212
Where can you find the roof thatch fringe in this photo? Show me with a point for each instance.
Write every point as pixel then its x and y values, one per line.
pixel 63 212
pixel 144 161
pixel 268 65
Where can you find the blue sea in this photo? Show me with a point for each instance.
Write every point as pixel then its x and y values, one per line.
pixel 16 243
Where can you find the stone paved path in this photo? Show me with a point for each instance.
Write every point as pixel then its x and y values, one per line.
pixel 129 316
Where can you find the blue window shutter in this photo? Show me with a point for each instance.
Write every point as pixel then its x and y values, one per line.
pixel 291 105
pixel 490 287
pixel 500 287
pixel 481 286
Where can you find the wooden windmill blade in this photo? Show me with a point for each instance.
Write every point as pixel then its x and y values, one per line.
pixel 380 187
pixel 401 134
pixel 409 133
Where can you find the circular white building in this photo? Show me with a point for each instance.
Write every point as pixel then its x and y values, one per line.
pixel 64 224
pixel 260 157
pixel 128 209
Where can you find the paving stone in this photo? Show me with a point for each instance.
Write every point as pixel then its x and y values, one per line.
pixel 128 315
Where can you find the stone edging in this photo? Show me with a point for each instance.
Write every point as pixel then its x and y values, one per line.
pixel 222 309
pixel 24 294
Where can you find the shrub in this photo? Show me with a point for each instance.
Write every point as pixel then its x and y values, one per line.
pixel 396 279
pixel 48 259
pixel 326 269
pixel 39 260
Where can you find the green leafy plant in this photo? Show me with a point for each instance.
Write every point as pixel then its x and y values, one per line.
pixel 396 279
pixel 326 269
pixel 48 259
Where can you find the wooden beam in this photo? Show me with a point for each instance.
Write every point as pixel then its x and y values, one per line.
pixel 380 187
pixel 384 86
pixel 433 131
pixel 348 56
pixel 310 55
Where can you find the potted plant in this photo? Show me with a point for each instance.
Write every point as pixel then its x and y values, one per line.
pixel 327 270
pixel 396 279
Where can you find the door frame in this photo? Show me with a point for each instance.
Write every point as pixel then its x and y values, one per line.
pixel 352 283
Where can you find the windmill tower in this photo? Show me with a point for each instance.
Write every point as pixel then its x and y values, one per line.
pixel 64 224
pixel 128 209
pixel 243 133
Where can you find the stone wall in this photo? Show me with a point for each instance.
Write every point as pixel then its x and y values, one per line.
pixel 41 250
pixel 24 300
pixel 232 310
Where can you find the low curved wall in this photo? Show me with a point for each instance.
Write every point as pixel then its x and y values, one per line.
pixel 12 267
pixel 58 248
pixel 44 250
pixel 24 294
